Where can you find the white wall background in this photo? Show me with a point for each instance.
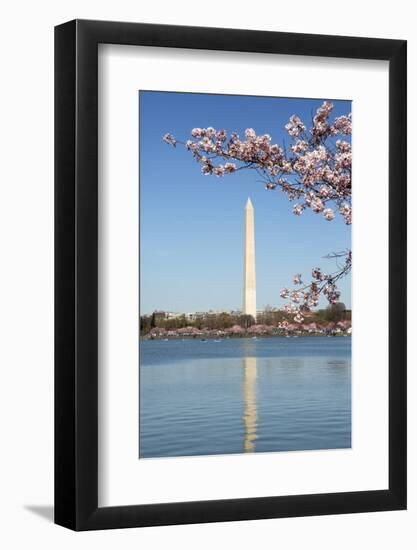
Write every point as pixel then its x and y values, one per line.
pixel 26 273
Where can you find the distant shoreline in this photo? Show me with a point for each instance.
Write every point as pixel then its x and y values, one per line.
pixel 336 321
pixel 246 336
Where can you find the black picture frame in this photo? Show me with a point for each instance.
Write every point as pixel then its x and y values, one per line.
pixel 76 272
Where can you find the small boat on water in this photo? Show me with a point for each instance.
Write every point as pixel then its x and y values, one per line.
pixel 217 340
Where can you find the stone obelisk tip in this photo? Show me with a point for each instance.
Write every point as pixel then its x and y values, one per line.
pixel 249 203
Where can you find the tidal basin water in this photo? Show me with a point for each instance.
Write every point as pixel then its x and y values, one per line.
pixel 244 395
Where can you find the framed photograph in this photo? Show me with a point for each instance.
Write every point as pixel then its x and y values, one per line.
pixel 230 247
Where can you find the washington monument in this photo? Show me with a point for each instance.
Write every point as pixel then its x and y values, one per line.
pixel 249 281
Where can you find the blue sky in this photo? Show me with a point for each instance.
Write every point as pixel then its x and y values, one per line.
pixel 191 226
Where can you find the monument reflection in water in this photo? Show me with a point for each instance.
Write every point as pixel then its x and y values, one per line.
pixel 250 418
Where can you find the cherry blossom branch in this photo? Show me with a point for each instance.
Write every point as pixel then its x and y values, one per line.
pixel 315 170
pixel 306 296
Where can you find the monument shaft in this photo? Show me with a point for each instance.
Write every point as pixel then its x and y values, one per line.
pixel 249 285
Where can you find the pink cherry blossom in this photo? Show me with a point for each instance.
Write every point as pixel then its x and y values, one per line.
pixel 298 318
pixel 297 279
pixel 300 146
pixel 343 125
pixel 346 211
pixel 168 138
pixel 298 209
pixel 295 126
pixel 328 214
pixel 197 132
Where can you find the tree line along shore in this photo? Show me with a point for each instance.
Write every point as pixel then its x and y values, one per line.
pixel 332 321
